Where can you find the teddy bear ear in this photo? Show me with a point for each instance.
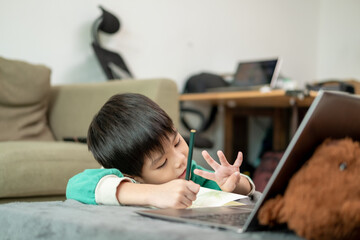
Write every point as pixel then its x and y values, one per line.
pixel 269 212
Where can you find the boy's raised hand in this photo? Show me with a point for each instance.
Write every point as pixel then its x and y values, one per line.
pixel 227 176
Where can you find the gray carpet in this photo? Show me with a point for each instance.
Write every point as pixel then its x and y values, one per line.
pixel 73 220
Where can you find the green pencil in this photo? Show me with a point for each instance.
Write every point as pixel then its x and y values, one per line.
pixel 191 146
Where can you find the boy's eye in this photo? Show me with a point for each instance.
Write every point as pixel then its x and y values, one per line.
pixel 162 165
pixel 177 144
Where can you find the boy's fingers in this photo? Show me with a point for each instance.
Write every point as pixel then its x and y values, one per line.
pixel 238 160
pixel 193 187
pixel 222 158
pixel 204 174
pixel 191 196
pixel 210 160
pixel 232 181
pixel 184 203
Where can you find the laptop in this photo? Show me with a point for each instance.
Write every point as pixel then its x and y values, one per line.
pixel 252 75
pixel 332 114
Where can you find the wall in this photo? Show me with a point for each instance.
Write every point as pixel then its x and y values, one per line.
pixel 339 40
pixel 172 39
pixel 317 39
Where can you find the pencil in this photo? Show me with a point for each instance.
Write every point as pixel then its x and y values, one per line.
pixel 189 161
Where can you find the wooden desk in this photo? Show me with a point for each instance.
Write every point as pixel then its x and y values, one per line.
pixel 284 110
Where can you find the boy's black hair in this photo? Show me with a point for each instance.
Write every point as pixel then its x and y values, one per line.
pixel 128 128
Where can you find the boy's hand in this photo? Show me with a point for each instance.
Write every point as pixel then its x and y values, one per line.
pixel 227 176
pixel 174 194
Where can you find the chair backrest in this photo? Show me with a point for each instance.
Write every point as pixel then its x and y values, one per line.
pixel 112 63
pixel 197 84
pixel 201 82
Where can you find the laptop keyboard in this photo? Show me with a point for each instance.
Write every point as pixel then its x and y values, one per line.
pixel 233 219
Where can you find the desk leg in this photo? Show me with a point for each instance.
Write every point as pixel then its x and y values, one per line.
pixel 229 130
pixel 281 129
pixel 236 134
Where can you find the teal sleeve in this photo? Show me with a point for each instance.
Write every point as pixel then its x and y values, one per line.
pixel 81 187
pixel 203 182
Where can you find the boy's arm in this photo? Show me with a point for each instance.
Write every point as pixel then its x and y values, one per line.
pixel 245 185
pixel 177 193
pixel 110 187
pixel 95 186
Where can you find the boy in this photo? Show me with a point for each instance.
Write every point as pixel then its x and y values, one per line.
pixel 136 142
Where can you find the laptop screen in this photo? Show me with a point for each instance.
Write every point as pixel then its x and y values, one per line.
pixel 254 73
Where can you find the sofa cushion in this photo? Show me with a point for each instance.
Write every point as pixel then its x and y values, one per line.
pixel 24 95
pixel 73 106
pixel 52 165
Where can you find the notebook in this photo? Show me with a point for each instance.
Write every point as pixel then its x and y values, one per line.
pixel 252 75
pixel 332 114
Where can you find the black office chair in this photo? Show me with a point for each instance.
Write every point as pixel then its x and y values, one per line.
pixel 197 84
pixel 112 63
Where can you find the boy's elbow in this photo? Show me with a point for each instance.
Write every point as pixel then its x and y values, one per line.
pixel 77 190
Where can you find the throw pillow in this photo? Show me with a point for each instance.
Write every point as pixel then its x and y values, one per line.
pixel 24 94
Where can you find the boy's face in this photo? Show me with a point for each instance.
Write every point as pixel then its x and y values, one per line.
pixel 170 165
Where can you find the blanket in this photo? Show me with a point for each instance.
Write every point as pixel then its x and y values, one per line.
pixel 73 220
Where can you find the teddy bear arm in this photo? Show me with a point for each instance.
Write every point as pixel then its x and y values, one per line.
pixel 269 213
pixel 350 219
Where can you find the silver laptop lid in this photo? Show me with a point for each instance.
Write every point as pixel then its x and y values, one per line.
pixel 257 73
pixel 332 114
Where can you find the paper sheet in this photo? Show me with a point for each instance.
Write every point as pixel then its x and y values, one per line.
pixel 213 198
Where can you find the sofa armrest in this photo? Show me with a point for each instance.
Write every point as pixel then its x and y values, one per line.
pixel 72 107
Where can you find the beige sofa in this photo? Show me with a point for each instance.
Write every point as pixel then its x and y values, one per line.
pixel 33 169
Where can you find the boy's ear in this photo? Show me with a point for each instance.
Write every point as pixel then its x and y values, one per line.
pixel 136 178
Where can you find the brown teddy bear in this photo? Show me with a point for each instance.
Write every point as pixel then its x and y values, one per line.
pixel 322 200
